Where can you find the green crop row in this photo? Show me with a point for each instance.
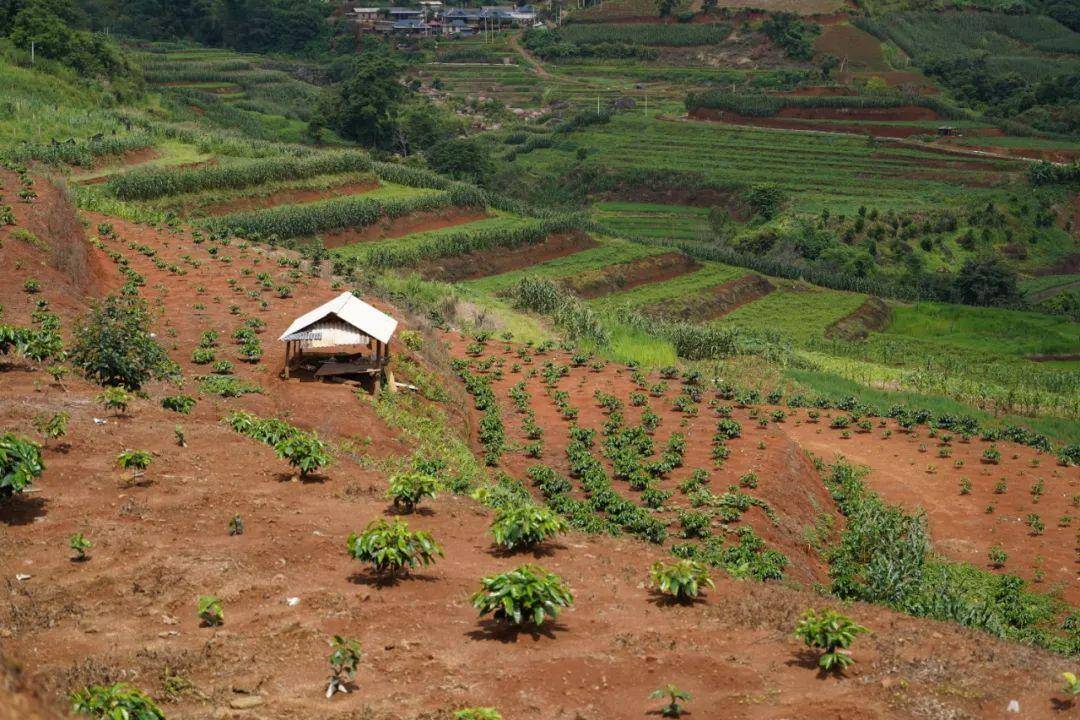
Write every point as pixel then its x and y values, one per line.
pixel 761 105
pixel 289 221
pixel 153 183
pixel 647 34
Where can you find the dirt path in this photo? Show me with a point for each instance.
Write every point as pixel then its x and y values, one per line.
pixel 536 65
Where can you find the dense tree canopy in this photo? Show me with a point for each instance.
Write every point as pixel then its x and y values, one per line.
pixel 367 105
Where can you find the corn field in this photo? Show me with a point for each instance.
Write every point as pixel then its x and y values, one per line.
pixel 681 35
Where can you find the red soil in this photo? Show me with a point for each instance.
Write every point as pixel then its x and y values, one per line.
pixel 493 262
pixel 284 197
pixel 129 612
pixel 628 275
pixel 856 50
pixel 407 225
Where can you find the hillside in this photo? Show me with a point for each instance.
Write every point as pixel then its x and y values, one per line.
pixel 709 290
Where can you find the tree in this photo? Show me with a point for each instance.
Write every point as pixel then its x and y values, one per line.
pixel 367 105
pixel 113 344
pixel 986 281
pixel 666 7
pixel 462 159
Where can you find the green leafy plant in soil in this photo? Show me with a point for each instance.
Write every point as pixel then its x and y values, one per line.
pixel 407 490
pixel 115 702
pixel 345 657
pixel 20 464
pixel 831 632
pixel 392 548
pixel 525 526
pixel 682 579
pixel 526 595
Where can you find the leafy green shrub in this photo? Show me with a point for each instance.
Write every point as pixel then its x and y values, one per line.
pixel 407 490
pixel 524 526
pixel 682 579
pixel 113 344
pixel 202 356
pixel 992 455
pixel 178 403
pixel 115 702
pixel 391 548
pixel 209 610
pixel 528 594
pixel 304 451
pixel 52 427
pixel 226 386
pixel 20 464
pixel 831 632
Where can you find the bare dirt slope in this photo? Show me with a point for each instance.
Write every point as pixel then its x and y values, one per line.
pixel 129 612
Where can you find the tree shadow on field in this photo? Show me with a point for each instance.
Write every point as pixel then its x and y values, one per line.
pixel 377 580
pixel 664 600
pixel 537 552
pixel 502 632
pixel 22 510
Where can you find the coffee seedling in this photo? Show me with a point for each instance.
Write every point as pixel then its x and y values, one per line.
pixel 528 594
pixel 209 610
pixel 134 460
pixel 407 490
pixel 674 696
pixel 997 556
pixel 236 525
pixel 344 659
pixel 392 548
pixel 119 701
pixel 114 398
pixel 682 579
pixel 832 632
pixel 80 545
pixel 478 713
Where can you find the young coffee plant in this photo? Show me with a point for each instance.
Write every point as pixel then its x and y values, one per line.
pixel 674 697
pixel 236 525
pixel 831 632
pixel 114 398
pixel 393 548
pixel 524 526
pixel 80 545
pixel 477 713
pixel 345 657
pixel 19 464
pixel 115 702
pixel 528 594
pixel 682 579
pixel 407 490
pixel 52 427
pixel 304 451
pixel 134 460
pixel 209 610
pixel 178 403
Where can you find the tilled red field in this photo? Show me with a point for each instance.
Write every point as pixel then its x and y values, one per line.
pixel 287 584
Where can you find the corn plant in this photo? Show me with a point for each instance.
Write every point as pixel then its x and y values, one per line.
pixel 832 632
pixel 674 697
pixel 682 579
pixel 528 594
pixel 134 460
pixel 407 490
pixel 209 610
pixel 80 545
pixel 115 702
pixel 345 657
pixel 524 526
pixel 392 548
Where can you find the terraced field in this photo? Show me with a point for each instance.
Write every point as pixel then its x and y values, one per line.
pixel 819 170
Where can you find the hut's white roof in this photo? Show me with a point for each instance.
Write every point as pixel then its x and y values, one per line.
pixel 351 310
